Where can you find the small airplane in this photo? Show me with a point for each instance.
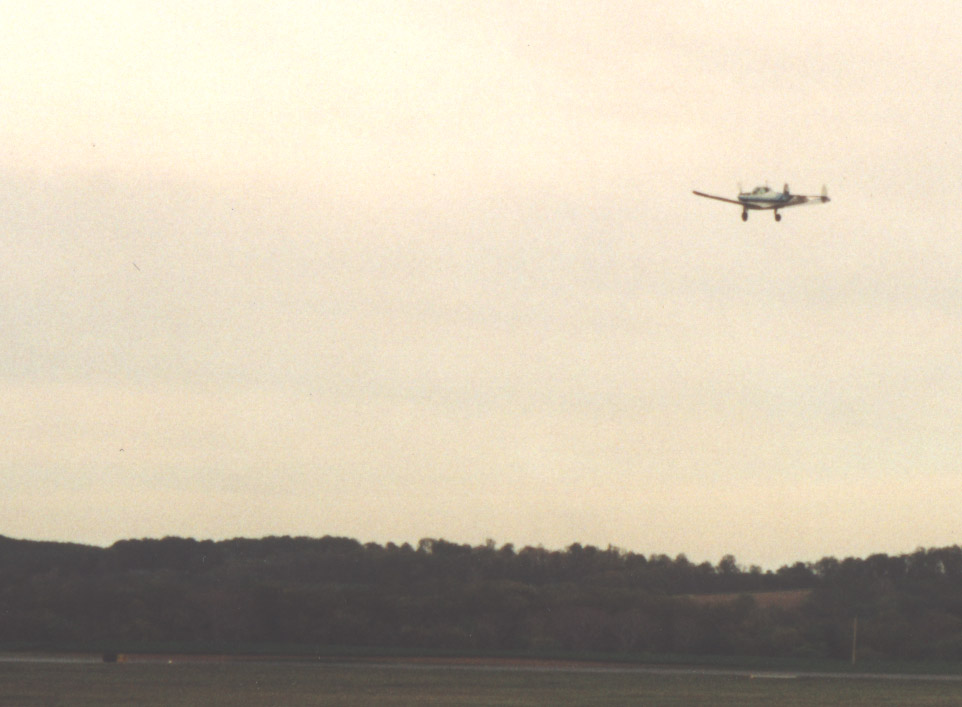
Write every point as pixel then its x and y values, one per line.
pixel 765 198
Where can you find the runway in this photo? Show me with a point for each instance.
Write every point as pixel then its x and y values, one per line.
pixel 513 665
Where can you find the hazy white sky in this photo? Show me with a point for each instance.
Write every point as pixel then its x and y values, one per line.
pixel 400 270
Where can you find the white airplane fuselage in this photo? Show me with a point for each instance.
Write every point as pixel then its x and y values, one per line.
pixel 765 198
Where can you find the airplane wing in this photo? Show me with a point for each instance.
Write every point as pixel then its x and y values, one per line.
pixel 718 198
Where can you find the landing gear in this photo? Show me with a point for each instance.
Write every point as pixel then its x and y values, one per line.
pixel 778 216
pixel 744 215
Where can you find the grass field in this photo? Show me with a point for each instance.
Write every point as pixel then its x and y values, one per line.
pixel 257 683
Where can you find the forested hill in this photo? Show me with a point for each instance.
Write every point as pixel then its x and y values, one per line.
pixel 445 596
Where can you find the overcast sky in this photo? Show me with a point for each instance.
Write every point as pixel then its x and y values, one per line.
pixel 402 270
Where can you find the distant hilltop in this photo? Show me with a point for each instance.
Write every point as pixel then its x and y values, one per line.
pixel 444 596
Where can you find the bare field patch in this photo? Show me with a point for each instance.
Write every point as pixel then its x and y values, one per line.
pixel 787 599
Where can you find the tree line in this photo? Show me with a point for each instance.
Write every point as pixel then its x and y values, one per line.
pixel 444 596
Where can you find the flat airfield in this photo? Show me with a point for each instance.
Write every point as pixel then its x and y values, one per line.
pixel 26 681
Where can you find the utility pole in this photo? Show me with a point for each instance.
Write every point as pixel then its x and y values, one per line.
pixel 854 636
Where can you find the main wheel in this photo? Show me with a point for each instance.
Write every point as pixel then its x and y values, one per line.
pixel 744 215
pixel 778 216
